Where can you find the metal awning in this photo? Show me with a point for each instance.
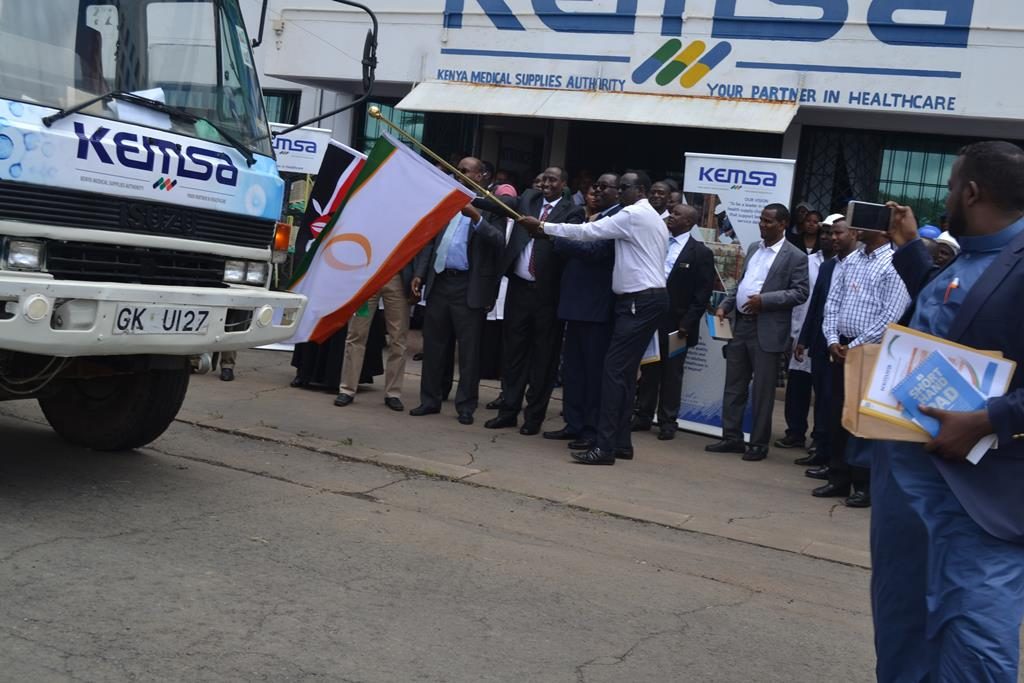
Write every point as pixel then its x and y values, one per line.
pixel 618 107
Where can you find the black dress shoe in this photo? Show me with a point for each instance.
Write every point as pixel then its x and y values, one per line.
pixel 813 448
pixel 344 400
pixel 417 356
pixel 790 442
pixel 529 429
pixel 831 491
pixel 501 422
pixel 859 499
pixel 639 425
pixel 563 434
pixel 807 461
pixel 755 453
pixel 298 383
pixel 623 453
pixel 725 446
pixel 820 472
pixel 394 403
pixel 227 375
pixel 595 456
pixel 424 410
pixel 666 434
pixel 494 405
pixel 581 444
pixel 465 418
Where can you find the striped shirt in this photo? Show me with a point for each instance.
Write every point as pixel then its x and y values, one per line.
pixel 866 295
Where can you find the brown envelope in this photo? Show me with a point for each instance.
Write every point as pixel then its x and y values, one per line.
pixel 860 364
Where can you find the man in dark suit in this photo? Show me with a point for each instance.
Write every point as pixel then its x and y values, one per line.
pixel 532 333
pixel 774 282
pixel 812 344
pixel 585 304
pixel 947 537
pixel 460 274
pixel 690 270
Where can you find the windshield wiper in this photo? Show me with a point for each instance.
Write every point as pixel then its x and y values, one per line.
pixel 156 105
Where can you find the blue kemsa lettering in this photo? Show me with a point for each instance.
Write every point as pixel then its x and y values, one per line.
pixel 730 25
pixel 282 144
pixel 738 176
pixel 954 31
pixel 129 151
pixel 620 21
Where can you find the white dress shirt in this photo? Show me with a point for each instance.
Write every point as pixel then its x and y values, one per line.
pixel 814 262
pixel 675 247
pixel 522 269
pixel 757 272
pixel 641 242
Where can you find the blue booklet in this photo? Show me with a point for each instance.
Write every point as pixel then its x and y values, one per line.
pixel 936 383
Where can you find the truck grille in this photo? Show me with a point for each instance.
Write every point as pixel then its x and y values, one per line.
pixel 90 211
pixel 116 263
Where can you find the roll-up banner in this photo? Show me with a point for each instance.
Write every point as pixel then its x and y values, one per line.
pixel 729 192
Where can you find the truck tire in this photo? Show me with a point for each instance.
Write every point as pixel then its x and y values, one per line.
pixel 116 413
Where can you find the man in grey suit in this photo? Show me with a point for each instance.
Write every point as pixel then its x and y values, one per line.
pixel 774 282
pixel 460 274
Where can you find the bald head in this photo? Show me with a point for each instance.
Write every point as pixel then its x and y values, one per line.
pixel 681 219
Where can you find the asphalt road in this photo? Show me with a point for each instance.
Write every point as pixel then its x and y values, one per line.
pixel 219 558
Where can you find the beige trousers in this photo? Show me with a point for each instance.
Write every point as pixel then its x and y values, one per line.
pixel 396 316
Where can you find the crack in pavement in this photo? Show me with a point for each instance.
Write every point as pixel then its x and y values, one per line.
pixel 616 660
pixel 763 515
pixel 358 495
pixel 472 455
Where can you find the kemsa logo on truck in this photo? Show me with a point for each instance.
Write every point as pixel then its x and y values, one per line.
pixel 738 176
pixel 194 163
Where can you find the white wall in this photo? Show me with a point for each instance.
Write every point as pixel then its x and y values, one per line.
pixel 313 100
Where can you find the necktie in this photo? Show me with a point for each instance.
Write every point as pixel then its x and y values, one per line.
pixel 446 240
pixel 531 267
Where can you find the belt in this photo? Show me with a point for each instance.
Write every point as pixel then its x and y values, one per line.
pixel 452 272
pixel 745 316
pixel 643 292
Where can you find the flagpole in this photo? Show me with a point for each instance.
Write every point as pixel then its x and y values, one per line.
pixel 375 112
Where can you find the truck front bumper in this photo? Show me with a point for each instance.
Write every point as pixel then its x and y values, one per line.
pixel 69 319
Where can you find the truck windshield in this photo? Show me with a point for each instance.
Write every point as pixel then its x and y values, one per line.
pixel 191 54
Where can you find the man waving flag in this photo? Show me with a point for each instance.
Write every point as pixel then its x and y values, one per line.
pixel 372 236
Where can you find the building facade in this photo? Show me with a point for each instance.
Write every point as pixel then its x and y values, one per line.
pixel 872 97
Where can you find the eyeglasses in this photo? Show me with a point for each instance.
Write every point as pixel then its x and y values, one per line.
pixel 601 187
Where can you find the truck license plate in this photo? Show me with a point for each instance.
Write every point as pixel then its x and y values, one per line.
pixel 161 320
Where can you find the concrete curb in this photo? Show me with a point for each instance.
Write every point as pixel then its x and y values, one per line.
pixel 542 490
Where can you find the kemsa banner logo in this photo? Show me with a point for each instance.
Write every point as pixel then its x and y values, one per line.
pixel 738 177
pixel 126 150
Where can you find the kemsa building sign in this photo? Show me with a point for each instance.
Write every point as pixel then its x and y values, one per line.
pixel 924 56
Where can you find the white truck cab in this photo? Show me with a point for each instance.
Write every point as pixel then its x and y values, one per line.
pixel 139 199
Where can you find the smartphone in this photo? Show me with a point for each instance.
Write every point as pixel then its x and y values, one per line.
pixel 867 216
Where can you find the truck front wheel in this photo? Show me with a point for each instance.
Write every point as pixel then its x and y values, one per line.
pixel 117 412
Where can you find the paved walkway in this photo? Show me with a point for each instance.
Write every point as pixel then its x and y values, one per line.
pixel 674 483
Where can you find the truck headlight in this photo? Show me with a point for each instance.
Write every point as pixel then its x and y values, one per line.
pixel 234 271
pixel 256 273
pixel 24 255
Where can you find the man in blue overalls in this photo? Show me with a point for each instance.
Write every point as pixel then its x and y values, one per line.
pixel 947 537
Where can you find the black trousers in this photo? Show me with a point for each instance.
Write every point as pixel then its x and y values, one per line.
pixel 821 378
pixel 636 318
pixel 449 319
pixel 531 345
pixel 746 361
pixel 584 351
pixel 661 388
pixel 841 473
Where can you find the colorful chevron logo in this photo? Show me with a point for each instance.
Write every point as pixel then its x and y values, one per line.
pixel 165 184
pixel 689 65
